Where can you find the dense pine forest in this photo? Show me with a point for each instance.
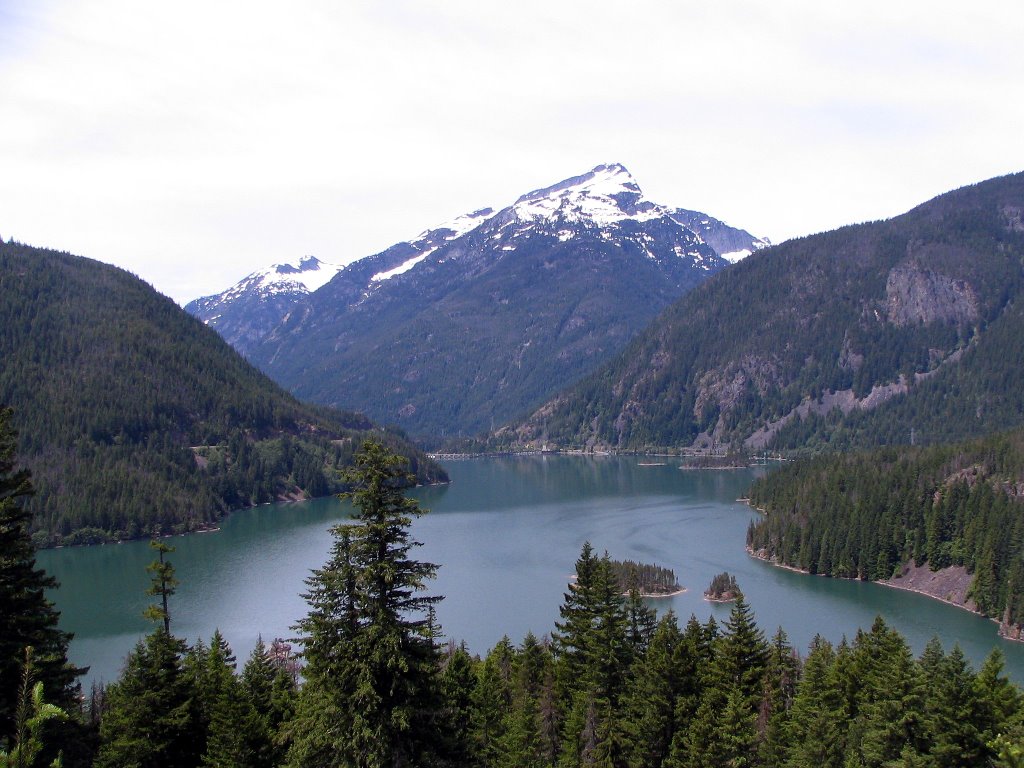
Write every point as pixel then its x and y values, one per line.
pixel 376 685
pixel 138 420
pixel 866 515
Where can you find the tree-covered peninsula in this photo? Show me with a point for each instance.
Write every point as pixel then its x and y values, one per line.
pixel 871 515
pixel 138 420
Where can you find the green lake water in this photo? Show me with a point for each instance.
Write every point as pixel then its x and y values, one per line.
pixel 506 533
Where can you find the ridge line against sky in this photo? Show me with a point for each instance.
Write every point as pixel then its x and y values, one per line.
pixel 193 143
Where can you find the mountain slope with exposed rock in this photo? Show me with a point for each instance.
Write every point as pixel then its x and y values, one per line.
pixel 884 332
pixel 245 313
pixel 477 320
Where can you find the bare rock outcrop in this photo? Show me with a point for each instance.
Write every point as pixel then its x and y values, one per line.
pixel 917 296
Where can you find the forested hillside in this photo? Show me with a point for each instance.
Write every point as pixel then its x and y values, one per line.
pixel 852 337
pixel 866 515
pixel 137 419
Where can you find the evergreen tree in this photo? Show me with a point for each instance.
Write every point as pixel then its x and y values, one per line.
pixel 31 715
pixel 458 681
pixel 953 715
pixel 594 730
pixel 815 728
pixel 738 741
pixel 1009 753
pixel 534 703
pixel 492 700
pixel 163 585
pixel 609 652
pixel 703 743
pixel 780 681
pixel 642 621
pixel 694 662
pixel 650 704
pixel 743 655
pixel 578 614
pixel 329 635
pixel 29 619
pixel 149 719
pixel 271 691
pixel 523 740
pixel 889 699
pixel 233 731
pixel 999 698
pixel 372 696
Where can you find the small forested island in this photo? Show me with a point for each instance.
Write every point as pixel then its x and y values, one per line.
pixel 723 589
pixel 649 579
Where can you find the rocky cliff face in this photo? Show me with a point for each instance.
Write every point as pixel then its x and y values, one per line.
pixel 917 295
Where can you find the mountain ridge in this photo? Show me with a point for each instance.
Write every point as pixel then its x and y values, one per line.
pixel 870 314
pixel 521 300
pixel 247 311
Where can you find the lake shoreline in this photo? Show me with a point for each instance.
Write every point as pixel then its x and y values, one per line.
pixel 211 527
pixel 656 595
pixel 1004 632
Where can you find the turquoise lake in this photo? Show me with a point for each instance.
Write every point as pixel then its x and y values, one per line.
pixel 505 533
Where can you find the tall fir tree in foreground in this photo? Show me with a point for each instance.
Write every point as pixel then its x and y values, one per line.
pixel 149 719
pixel 27 617
pixel 372 695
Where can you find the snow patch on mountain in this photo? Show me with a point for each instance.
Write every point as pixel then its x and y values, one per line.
pixel 432 239
pixel 734 256
pixel 405 266
pixel 730 243
pixel 460 225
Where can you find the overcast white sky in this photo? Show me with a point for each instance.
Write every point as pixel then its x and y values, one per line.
pixel 193 142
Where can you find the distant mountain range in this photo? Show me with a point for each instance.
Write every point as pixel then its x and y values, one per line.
pixel 477 320
pixel 136 420
pixel 247 312
pixel 904 330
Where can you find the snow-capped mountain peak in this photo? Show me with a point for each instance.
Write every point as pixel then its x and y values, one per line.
pixel 248 310
pixel 597 219
pixel 609 179
pixel 305 276
pixel 606 195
